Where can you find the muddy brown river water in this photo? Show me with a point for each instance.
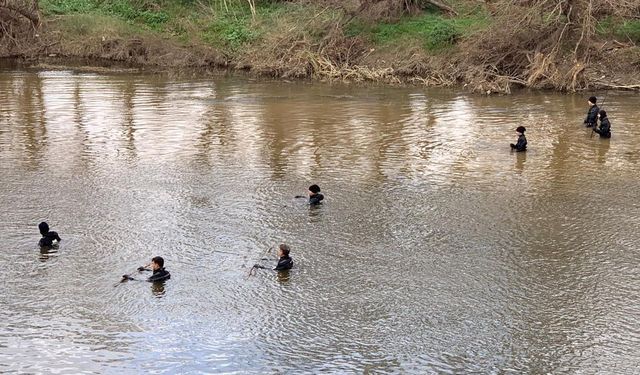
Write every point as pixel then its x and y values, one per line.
pixel 437 249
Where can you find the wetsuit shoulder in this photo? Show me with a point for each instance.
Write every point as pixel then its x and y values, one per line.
pixel 316 199
pixel 160 275
pixel 47 239
pixel 54 235
pixel 284 264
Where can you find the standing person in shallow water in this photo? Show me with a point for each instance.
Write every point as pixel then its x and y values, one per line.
pixel 47 236
pixel 592 115
pixel 157 266
pixel 605 126
pixel 521 144
pixel 285 262
pixel 315 197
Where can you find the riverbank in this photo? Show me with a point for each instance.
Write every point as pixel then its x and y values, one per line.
pixel 486 47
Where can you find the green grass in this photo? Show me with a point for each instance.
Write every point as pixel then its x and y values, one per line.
pixel 232 26
pixel 129 11
pixel 432 31
pixel 229 32
pixel 622 30
pixel 629 29
pixel 51 7
pixel 227 26
pixel 87 25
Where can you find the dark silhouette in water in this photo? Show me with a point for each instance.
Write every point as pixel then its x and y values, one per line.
pixel 315 197
pixel 47 236
pixel 592 114
pixel 605 126
pixel 157 266
pixel 521 144
pixel 285 262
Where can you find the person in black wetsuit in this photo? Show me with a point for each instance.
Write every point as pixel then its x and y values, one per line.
pixel 521 144
pixel 592 115
pixel 285 262
pixel 47 236
pixel 315 198
pixel 605 126
pixel 157 266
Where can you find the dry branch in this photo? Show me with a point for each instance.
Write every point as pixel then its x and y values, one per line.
pixel 26 9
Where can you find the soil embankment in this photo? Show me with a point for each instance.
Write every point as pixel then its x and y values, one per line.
pixel 491 46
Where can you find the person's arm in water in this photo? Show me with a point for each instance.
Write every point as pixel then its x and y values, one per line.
pixel 139 269
pixel 159 276
pixel 598 129
pixel 314 199
pixel 283 264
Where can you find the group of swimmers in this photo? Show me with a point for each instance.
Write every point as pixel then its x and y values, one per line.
pixel 285 262
pixel 594 115
pixel 156 266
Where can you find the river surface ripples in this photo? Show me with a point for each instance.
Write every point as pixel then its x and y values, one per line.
pixel 437 249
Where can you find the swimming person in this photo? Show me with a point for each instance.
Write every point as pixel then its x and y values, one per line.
pixel 605 126
pixel 285 262
pixel 47 236
pixel 592 115
pixel 157 266
pixel 315 197
pixel 521 144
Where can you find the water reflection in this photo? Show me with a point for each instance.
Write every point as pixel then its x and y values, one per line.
pixel 283 277
pixel 603 148
pixel 437 250
pixel 157 288
pixel 47 252
pixel 521 159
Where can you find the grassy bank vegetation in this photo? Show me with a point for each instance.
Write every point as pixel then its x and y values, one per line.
pixel 487 46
